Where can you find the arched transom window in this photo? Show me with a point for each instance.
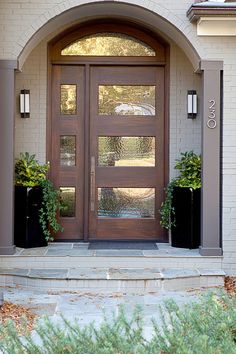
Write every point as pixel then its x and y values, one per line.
pixel 109 44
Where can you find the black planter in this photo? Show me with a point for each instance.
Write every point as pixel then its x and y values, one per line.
pixel 187 204
pixel 28 231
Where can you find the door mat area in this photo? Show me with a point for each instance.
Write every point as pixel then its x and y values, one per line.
pixel 122 245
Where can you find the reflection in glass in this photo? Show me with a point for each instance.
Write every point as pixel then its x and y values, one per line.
pixel 68 199
pixel 109 44
pixel 68 99
pixel 127 100
pixel 131 203
pixel 67 150
pixel 126 151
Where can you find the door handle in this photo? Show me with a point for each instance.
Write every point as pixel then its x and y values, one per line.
pixel 92 184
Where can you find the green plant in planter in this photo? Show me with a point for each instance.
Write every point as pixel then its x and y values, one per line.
pixel 29 173
pixel 189 166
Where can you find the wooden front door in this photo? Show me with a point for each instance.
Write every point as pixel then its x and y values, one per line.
pixel 108 150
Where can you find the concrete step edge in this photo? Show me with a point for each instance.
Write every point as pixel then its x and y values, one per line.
pixel 97 274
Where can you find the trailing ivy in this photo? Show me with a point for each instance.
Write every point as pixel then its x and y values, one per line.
pixel 48 213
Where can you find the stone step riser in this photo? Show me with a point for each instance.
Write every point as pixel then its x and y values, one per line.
pixel 115 262
pixel 113 286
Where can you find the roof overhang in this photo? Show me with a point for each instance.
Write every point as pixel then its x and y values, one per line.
pixel 214 18
pixel 209 9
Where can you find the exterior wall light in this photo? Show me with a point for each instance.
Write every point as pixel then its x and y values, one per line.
pixel 192 104
pixel 25 103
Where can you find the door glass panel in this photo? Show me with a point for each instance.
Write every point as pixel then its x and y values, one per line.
pixel 108 44
pixel 127 100
pixel 67 150
pixel 68 99
pixel 131 203
pixel 126 151
pixel 68 199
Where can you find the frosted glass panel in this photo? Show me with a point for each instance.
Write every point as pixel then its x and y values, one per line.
pixel 68 199
pixel 129 203
pixel 108 44
pixel 68 99
pixel 126 151
pixel 127 100
pixel 67 150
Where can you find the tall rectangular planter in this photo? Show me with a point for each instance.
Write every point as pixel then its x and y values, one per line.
pixel 28 232
pixel 187 205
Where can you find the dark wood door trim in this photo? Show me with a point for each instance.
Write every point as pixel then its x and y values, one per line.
pixel 101 61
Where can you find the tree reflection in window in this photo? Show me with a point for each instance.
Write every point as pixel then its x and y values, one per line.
pixel 109 44
pixel 135 100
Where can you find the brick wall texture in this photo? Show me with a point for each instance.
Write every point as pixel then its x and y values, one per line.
pixel 21 19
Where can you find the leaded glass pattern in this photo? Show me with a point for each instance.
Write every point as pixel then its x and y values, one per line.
pixel 108 44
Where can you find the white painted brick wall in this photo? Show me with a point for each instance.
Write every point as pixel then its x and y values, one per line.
pixel 19 20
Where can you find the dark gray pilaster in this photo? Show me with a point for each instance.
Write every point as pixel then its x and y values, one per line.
pixel 7 107
pixel 211 132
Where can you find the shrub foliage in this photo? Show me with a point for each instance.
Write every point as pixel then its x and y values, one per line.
pixel 205 327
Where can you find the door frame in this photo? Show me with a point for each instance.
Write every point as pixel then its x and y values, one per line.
pixel 92 27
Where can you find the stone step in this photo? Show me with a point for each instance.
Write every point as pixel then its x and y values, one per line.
pixel 104 280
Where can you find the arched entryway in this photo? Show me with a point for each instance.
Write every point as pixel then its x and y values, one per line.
pixel 108 131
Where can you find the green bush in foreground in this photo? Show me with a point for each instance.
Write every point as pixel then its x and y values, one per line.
pixel 206 327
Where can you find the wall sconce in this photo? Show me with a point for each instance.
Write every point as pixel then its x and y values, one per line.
pixel 192 104
pixel 25 103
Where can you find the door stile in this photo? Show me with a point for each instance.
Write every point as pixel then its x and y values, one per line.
pixel 86 152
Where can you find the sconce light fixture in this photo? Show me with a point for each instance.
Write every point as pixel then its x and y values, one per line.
pixel 192 104
pixel 25 103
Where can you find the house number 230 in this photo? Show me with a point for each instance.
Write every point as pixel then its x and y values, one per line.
pixel 211 122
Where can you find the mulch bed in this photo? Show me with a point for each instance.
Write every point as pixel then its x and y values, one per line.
pixel 16 313
pixel 230 285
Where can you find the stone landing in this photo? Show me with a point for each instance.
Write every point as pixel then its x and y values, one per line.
pixel 73 267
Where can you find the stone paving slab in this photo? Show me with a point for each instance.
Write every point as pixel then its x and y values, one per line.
pixel 93 273
pixel 49 273
pixel 71 252
pixel 83 245
pixel 133 274
pixel 88 273
pixel 39 251
pixel 211 272
pixel 60 245
pixel 87 308
pixel 81 252
pixel 14 271
pixel 42 309
pixel 179 273
pixel 118 253
pixel 62 249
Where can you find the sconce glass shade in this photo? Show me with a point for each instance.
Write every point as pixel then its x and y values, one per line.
pixel 192 104
pixel 25 103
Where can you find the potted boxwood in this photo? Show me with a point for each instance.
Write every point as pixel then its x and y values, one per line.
pixel 36 203
pixel 180 212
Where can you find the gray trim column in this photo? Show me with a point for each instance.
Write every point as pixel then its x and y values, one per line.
pixel 7 108
pixel 211 134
